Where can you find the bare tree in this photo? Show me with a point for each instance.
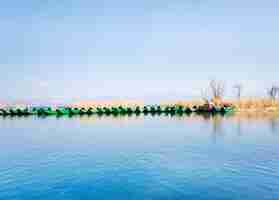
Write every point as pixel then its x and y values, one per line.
pixel 273 92
pixel 217 89
pixel 238 88
pixel 204 95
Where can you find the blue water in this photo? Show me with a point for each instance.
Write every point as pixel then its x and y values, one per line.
pixel 139 158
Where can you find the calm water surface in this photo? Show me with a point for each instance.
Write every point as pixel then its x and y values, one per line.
pixel 139 158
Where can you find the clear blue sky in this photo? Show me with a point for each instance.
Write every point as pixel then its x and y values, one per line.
pixel 84 49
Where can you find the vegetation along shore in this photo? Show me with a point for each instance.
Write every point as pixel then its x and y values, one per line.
pixel 212 101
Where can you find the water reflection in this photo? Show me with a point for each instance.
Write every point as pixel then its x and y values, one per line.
pixel 271 118
pixel 216 121
pixel 148 157
pixel 239 127
pixel 217 127
pixel 274 125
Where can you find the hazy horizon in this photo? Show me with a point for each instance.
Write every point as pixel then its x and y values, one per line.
pixel 151 50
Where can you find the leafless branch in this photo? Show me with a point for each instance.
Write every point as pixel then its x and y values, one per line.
pixel 273 92
pixel 217 89
pixel 238 88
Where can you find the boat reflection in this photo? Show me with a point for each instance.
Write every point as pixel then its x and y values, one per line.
pixel 216 121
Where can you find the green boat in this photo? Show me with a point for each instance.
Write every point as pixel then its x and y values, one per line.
pixel 122 110
pixel 3 112
pixel 33 111
pixel 12 111
pixel 90 111
pixel 129 110
pixel 228 109
pixel 99 111
pixel 82 111
pixel 179 109
pixel 107 110
pixel 172 109
pixel 49 111
pixel 145 109
pixel 159 109
pixel 62 111
pixel 187 110
pixel 115 110
pixel 137 110
pixel 25 111
pixel 73 111
pixel 167 109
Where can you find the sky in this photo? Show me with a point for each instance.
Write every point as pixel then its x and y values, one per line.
pixel 148 49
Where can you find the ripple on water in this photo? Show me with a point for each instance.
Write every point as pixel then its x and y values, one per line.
pixel 99 161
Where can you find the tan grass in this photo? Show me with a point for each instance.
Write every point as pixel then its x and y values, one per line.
pixel 247 104
pixel 256 104
pixel 108 103
pixel 189 103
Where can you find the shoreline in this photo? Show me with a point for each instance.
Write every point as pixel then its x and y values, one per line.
pixel 244 105
pixel 272 110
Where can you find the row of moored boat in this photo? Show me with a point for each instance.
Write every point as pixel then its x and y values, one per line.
pixel 113 110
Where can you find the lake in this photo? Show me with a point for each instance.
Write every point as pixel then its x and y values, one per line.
pixel 140 157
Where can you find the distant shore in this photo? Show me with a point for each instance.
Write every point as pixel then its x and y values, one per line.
pixel 242 105
pixel 253 104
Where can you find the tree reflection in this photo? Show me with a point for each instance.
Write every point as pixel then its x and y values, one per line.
pixel 274 125
pixel 217 127
pixel 239 127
